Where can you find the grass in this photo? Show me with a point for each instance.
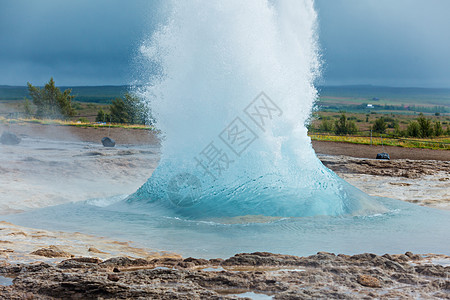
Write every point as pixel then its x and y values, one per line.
pixel 364 121
pixel 442 143
pixel 73 123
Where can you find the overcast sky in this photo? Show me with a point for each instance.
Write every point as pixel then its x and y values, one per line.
pixel 93 42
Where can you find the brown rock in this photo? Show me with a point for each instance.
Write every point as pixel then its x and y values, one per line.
pixel 186 265
pixel 388 256
pixel 409 254
pixel 325 253
pixel 7 250
pixel 413 256
pixel 401 258
pixel 113 277
pixel 95 250
pixel 369 281
pixel 51 251
pixel 124 262
pixel 197 261
pixel 215 261
pixel 280 276
pixel 89 260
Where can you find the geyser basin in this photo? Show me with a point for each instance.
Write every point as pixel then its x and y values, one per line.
pixel 237 171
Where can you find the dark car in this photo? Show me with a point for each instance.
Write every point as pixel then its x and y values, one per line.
pixel 383 155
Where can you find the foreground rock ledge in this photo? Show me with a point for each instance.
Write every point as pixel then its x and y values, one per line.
pixel 324 275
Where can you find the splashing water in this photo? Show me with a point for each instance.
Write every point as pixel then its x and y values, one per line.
pixel 230 150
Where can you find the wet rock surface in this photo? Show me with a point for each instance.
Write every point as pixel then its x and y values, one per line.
pixel 324 275
pixel 422 182
pixel 108 142
pixel 51 251
pixel 405 168
pixel 9 138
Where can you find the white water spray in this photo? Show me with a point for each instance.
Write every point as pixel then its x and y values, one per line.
pixel 226 151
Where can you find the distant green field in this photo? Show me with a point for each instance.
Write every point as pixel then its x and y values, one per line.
pixel 332 98
pixel 389 95
pixel 92 94
pixel 384 99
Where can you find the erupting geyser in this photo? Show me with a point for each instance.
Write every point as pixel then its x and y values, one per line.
pixel 234 92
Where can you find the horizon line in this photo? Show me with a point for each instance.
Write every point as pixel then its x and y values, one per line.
pixel 319 85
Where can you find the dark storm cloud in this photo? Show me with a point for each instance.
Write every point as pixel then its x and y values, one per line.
pixel 78 42
pixel 385 42
pixel 90 42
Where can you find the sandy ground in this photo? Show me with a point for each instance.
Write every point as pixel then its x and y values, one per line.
pixel 17 245
pixel 52 166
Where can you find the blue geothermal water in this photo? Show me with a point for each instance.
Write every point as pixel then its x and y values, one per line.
pixel 232 94
pixel 405 227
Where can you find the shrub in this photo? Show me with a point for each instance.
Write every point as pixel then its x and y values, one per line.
pixel 425 126
pixel 102 116
pixel 352 128
pixel 393 124
pixel 438 131
pixel 27 109
pixel 129 109
pixel 343 126
pixel 326 126
pixel 379 125
pixel 413 129
pixel 397 131
pixel 118 111
pixel 50 102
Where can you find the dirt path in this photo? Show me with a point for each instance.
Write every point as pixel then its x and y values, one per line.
pixel 367 151
pixel 122 136
pixel 146 137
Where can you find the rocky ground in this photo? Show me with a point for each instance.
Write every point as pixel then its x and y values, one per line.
pixel 250 276
pixel 424 182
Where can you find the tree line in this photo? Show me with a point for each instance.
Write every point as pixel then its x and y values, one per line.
pixel 128 110
pixel 50 102
pixel 422 127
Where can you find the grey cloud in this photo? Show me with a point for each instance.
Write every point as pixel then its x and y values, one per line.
pixel 401 42
pixel 80 42
pixel 85 42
